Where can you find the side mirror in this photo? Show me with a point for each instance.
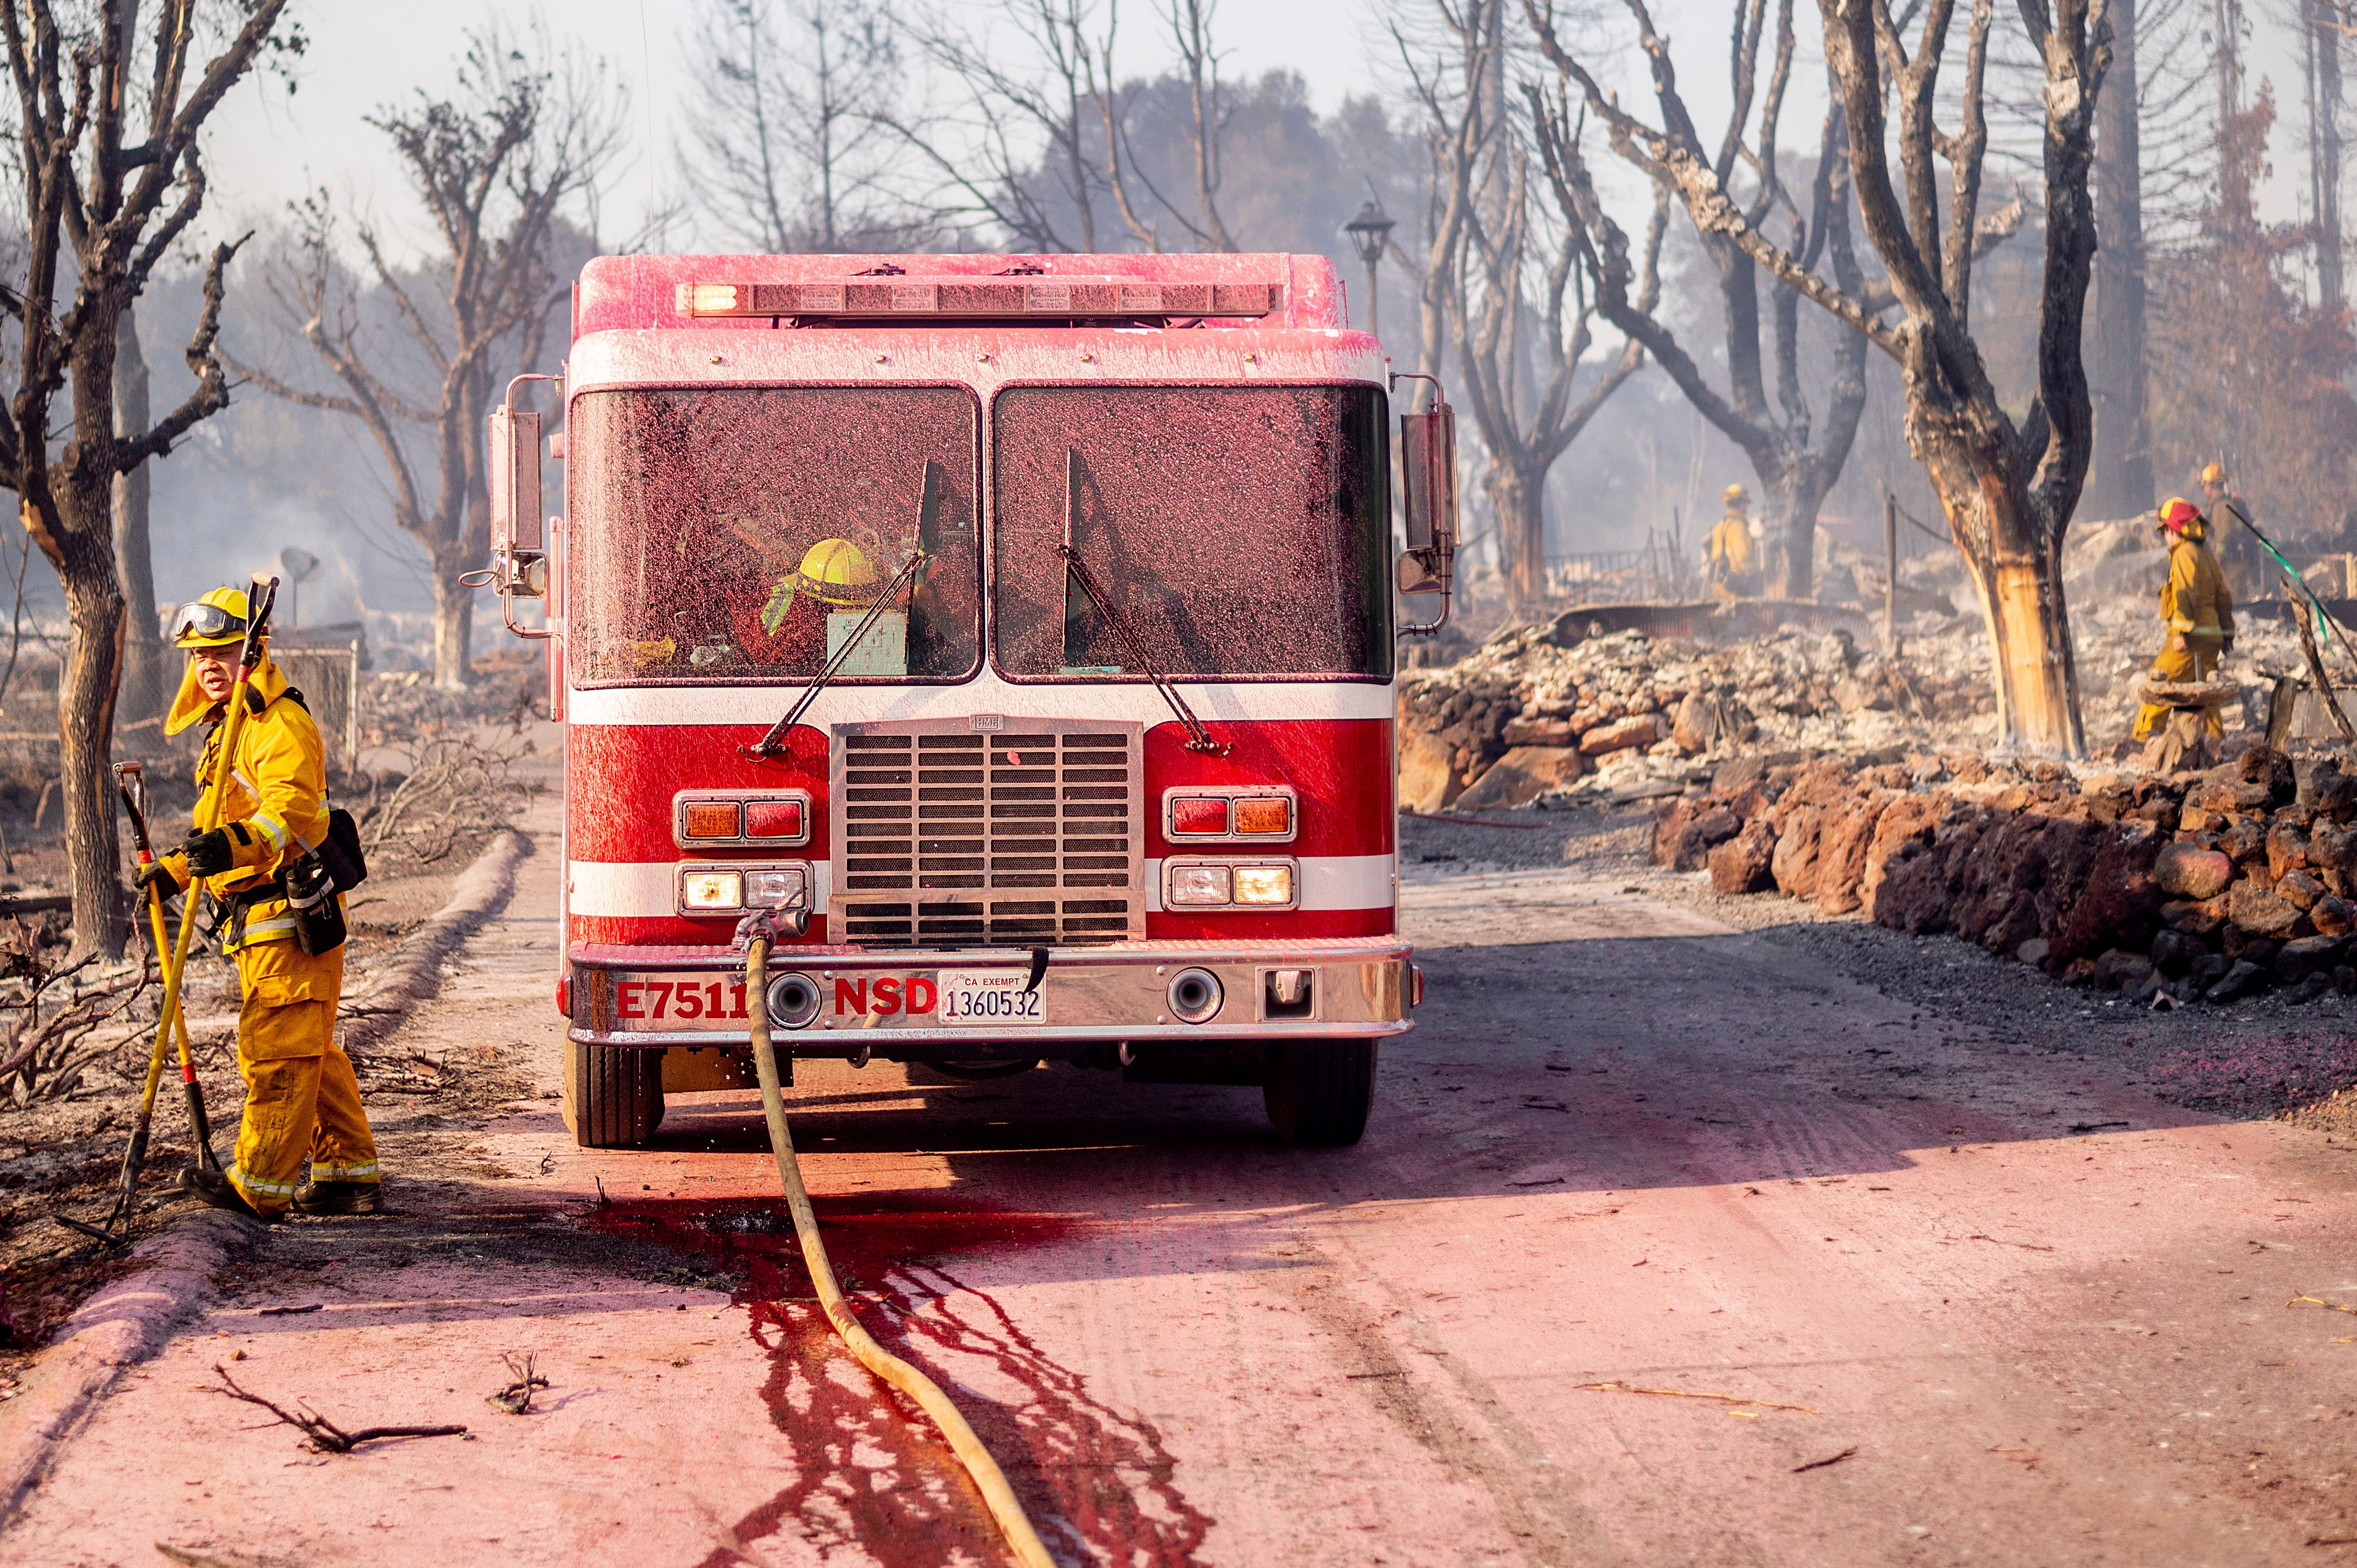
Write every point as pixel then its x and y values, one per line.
pixel 519 567
pixel 1428 495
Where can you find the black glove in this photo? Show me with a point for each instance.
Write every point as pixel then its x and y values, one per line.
pixel 159 875
pixel 208 853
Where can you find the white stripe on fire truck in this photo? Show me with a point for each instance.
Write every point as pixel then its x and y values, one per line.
pixel 648 889
pixel 1237 702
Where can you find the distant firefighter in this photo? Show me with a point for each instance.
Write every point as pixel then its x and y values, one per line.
pixel 2245 562
pixel 2197 612
pixel 1733 554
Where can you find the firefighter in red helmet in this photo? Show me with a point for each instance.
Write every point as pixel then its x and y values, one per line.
pixel 2197 611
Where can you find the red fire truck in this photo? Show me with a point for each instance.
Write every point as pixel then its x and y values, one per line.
pixel 1018 632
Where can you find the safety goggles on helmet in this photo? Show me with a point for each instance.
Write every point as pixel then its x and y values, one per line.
pixel 202 623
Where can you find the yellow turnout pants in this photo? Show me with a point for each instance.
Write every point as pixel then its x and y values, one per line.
pixel 301 1099
pixel 2197 660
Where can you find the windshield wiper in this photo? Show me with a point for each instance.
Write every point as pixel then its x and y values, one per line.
pixel 928 528
pixel 1077 570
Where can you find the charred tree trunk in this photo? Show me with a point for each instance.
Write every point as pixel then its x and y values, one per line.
pixel 2120 483
pixel 454 621
pixel 144 685
pixel 1519 495
pixel 2014 558
pixel 2320 26
pixel 86 691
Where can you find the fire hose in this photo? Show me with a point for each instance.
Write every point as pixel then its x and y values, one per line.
pixel 997 1495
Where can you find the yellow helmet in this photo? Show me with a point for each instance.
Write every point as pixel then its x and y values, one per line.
pixel 2215 474
pixel 835 571
pixel 1738 493
pixel 217 620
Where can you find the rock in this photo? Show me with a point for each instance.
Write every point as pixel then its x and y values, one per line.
pixel 1539 731
pixel 1695 728
pixel 2332 915
pixel 1841 852
pixel 2078 971
pixel 2331 845
pixel 2272 768
pixel 1715 826
pixel 2304 956
pixel 1853 695
pixel 1622 735
pixel 1521 776
pixel 2119 904
pixel 2119 970
pixel 2298 889
pixel 1427 780
pixel 2230 798
pixel 2243 840
pixel 1909 818
pixel 1795 862
pixel 2257 912
pixel 2184 871
pixel 2335 793
pixel 2345 980
pixel 2209 969
pixel 2286 848
pixel 2034 950
pixel 1740 773
pixel 2239 980
pixel 2201 919
pixel 1741 865
pixel 2175 953
pixel 2315 987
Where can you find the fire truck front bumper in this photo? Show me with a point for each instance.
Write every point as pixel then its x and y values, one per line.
pixel 914 1004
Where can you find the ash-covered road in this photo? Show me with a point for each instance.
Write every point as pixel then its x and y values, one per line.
pixel 1951 1299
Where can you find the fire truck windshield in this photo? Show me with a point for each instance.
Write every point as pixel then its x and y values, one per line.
pixel 1237 531
pixel 741 535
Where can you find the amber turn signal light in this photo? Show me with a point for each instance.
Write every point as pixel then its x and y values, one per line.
pixel 710 819
pixel 1264 814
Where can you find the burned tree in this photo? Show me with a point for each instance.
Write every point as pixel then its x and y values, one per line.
pixel 790 149
pixel 2008 485
pixel 1797 461
pixel 107 125
pixel 493 167
pixel 1511 292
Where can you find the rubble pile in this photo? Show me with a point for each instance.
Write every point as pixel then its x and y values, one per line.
pixel 1551 711
pixel 2191 886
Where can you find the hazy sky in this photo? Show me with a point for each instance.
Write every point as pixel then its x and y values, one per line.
pixel 267 147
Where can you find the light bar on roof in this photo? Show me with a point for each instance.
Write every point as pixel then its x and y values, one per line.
pixel 1003 298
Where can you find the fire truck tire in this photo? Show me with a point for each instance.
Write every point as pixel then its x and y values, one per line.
pixel 620 1100
pixel 1319 1091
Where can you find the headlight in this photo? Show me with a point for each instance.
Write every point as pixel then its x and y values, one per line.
pixel 776 889
pixel 1198 884
pixel 1263 884
pixel 712 891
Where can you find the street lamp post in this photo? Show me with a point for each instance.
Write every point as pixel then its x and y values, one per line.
pixel 1369 232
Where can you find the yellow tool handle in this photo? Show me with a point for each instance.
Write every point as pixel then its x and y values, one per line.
pixel 997 1495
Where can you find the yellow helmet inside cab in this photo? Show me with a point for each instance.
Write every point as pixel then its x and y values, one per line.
pixel 217 620
pixel 837 572
pixel 1737 493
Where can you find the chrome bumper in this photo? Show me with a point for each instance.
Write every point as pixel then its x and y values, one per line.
pixel 1121 994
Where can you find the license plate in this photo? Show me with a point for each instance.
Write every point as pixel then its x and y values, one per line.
pixel 985 998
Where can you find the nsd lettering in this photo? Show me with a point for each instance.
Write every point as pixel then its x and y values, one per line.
pixel 885 996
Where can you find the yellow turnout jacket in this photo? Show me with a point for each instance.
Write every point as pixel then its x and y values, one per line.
pixel 272 801
pixel 2195 601
pixel 1730 544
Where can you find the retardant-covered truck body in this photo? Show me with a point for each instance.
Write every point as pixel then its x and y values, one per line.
pixel 1018 632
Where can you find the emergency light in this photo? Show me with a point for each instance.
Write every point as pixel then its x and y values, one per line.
pixel 1060 299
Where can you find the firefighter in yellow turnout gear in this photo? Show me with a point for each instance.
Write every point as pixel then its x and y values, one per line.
pixel 2197 607
pixel 1731 556
pixel 303 1103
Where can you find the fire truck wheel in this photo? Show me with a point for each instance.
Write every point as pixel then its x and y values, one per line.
pixel 1319 1091
pixel 621 1100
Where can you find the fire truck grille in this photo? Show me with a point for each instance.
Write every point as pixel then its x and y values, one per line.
pixel 949 836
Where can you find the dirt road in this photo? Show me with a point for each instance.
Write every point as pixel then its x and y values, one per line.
pixel 1954 1298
